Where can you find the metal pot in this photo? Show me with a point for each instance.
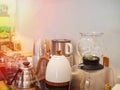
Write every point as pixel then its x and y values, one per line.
pixel 24 77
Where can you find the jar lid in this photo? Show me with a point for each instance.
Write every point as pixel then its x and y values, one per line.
pixel 91 63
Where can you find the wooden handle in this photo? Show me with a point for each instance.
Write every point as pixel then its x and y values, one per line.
pixel 39 64
pixel 106 61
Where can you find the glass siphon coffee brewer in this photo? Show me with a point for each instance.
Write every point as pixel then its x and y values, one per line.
pixel 90 74
pixel 90 49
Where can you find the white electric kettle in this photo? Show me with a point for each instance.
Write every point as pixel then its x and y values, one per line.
pixel 58 71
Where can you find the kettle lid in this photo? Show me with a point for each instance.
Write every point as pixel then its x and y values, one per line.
pixel 58 53
pixel 26 65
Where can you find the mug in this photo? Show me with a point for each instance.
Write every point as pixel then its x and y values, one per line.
pixel 64 45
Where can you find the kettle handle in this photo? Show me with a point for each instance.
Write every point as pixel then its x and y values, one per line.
pixel 68 48
pixel 38 68
pixel 10 82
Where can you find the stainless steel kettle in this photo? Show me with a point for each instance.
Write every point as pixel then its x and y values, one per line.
pixel 24 77
pixel 64 45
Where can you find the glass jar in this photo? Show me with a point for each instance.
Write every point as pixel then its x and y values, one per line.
pixel 91 79
pixel 90 44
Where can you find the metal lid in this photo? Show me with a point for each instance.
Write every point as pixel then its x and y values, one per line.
pixel 61 40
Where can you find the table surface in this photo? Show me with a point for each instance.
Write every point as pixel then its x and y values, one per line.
pixel 44 86
pixel 98 79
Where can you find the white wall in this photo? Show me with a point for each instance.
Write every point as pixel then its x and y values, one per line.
pixel 50 19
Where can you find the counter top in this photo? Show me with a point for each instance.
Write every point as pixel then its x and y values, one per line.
pixel 98 79
pixel 44 86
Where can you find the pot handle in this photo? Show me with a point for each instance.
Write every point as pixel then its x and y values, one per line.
pixel 68 48
pixel 10 82
pixel 38 68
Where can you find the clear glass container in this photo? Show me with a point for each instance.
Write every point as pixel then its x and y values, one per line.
pixel 91 79
pixel 90 44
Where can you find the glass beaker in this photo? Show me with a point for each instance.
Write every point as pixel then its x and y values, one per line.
pixel 90 44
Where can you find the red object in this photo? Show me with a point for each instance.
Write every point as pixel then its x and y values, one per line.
pixel 2 73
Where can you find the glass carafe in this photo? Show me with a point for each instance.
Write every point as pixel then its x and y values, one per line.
pixel 90 44
pixel 91 79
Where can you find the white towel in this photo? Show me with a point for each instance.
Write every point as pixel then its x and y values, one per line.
pixel 116 87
